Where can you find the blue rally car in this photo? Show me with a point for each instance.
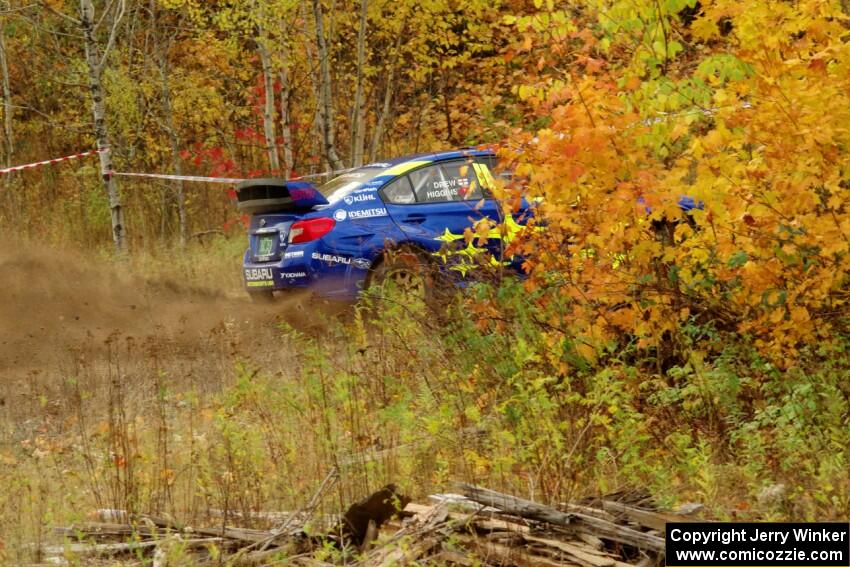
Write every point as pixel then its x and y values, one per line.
pixel 367 226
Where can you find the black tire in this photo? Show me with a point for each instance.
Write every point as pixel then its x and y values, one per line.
pixel 403 276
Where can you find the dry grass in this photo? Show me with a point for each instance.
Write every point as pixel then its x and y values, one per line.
pixel 111 371
pixel 155 385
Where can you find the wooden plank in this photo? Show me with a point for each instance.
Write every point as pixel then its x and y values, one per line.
pixel 495 525
pixel 650 519
pixel 497 554
pixel 483 521
pixel 417 509
pixel 581 522
pixel 588 511
pixel 591 540
pixel 573 551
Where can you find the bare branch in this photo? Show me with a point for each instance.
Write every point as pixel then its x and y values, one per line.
pixel 122 5
pixel 106 10
pixel 56 12
pixel 20 9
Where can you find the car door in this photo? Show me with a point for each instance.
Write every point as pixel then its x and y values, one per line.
pixel 436 203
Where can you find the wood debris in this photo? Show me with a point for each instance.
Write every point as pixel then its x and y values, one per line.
pixel 476 527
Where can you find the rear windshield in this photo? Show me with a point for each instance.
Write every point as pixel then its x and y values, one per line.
pixel 339 187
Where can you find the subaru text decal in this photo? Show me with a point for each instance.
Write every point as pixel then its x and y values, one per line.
pixel 256 274
pixel 331 258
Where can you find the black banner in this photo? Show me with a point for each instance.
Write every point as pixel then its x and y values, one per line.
pixel 758 544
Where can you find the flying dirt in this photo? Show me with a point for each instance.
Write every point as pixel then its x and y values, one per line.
pixel 65 313
pixel 53 302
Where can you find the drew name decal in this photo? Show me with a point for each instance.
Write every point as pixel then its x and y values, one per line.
pixel 448 188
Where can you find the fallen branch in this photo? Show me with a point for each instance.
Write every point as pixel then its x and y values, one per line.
pixel 120 548
pixel 579 522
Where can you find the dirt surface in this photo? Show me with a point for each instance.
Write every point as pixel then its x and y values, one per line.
pixel 53 302
pixel 66 314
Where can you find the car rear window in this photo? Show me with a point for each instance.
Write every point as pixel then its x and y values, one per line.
pixel 399 192
pixel 339 187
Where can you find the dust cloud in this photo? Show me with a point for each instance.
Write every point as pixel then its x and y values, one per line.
pixel 55 300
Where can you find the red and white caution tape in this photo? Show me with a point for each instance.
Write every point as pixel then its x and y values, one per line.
pixel 51 161
pixel 227 180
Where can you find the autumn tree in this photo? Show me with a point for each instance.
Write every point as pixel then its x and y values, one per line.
pixel 97 53
pixel 738 106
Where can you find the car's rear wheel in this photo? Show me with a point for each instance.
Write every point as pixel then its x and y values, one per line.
pixel 403 276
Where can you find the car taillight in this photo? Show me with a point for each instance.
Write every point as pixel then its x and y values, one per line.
pixel 307 230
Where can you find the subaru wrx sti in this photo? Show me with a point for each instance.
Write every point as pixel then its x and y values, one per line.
pixel 373 223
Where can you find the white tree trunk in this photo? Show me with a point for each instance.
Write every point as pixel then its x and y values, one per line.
pixel 269 129
pixel 8 140
pixel 325 110
pixel 358 111
pixel 95 62
pixel 176 162
pixel 378 134
pixel 285 93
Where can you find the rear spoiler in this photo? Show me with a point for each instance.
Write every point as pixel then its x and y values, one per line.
pixel 267 195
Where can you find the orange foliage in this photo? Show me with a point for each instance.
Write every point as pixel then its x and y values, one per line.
pixel 746 111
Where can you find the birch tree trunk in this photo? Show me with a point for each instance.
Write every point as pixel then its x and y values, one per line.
pixel 378 134
pixel 8 140
pixel 163 43
pixel 358 111
pixel 285 93
pixel 325 108
pixel 314 75
pixel 269 129
pixel 95 62
pixel 176 162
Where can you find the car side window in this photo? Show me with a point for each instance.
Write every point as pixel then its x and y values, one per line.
pixel 398 192
pixel 446 182
pixel 424 181
pixel 461 181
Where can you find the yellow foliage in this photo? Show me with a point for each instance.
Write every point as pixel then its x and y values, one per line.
pixel 765 154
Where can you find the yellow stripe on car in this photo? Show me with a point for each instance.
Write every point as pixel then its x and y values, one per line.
pixel 404 167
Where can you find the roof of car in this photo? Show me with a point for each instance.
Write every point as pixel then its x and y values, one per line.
pixel 433 156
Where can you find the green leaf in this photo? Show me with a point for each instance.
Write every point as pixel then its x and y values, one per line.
pixel 738 259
